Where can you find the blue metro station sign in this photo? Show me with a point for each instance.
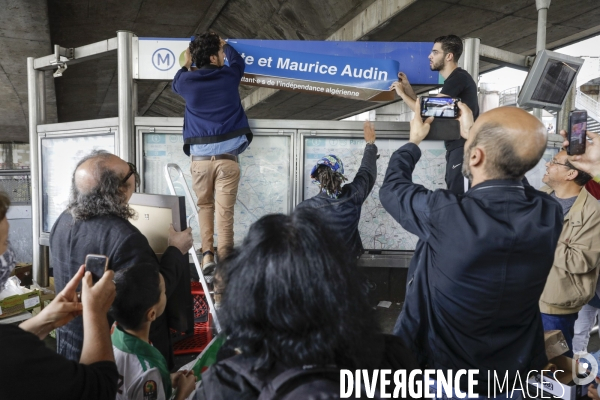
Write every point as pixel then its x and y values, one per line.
pixel 358 70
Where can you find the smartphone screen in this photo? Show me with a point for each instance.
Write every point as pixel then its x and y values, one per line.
pixel 96 264
pixel 577 132
pixel 439 107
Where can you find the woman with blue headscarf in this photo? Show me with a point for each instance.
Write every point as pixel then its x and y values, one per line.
pixel 30 370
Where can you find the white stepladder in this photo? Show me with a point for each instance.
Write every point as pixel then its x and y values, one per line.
pixel 190 199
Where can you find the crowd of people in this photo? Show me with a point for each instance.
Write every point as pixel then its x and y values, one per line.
pixel 495 265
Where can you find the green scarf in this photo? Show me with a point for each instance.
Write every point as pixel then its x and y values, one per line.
pixel 145 353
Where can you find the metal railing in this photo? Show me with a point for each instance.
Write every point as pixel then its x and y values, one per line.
pixel 509 97
pixel 17 184
pixel 583 101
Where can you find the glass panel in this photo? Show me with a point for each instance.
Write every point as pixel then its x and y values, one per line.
pixel 59 158
pixel 264 188
pixel 378 229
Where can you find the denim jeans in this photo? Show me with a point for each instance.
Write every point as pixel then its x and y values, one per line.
pixel 583 326
pixel 563 322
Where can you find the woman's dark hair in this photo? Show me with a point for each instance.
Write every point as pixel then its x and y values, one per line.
pixel 138 289
pixel 329 180
pixel 4 204
pixel 107 197
pixel 292 296
pixel 205 45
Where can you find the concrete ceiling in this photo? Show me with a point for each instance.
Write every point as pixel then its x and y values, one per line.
pixel 89 90
pixel 24 32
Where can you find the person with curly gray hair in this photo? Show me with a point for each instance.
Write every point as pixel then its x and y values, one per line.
pixel 97 222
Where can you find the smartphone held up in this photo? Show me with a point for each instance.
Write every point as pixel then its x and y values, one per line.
pixel 576 134
pixel 96 264
pixel 439 107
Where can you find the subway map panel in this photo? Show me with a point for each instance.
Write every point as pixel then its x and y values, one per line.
pixel 265 186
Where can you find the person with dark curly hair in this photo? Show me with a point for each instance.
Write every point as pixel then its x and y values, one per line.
pixel 293 314
pixel 340 206
pixel 215 132
pixel 458 83
pixel 97 222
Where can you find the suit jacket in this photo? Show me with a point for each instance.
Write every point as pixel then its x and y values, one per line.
pixel 125 245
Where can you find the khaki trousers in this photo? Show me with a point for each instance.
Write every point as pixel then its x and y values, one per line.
pixel 215 183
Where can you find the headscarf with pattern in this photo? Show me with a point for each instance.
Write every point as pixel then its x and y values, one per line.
pixel 336 165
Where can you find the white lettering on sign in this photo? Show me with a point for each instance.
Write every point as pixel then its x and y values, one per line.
pixel 370 73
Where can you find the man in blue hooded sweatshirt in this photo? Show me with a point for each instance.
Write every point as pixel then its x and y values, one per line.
pixel 215 132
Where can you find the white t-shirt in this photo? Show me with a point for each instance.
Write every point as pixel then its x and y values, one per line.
pixel 135 383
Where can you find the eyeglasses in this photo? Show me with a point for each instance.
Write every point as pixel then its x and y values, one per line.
pixel 553 161
pixel 132 171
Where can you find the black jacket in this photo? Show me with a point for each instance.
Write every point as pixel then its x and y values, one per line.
pixel 125 246
pixel 234 377
pixel 343 214
pixel 24 357
pixel 478 271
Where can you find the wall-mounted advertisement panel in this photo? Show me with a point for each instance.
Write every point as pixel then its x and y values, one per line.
pixel 59 156
pixel 378 230
pixel 265 187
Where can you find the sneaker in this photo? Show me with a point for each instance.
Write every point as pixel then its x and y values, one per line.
pixel 208 268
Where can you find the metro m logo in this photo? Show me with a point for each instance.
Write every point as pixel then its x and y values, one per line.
pixel 163 59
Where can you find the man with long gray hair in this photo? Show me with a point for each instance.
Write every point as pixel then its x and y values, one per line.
pixel 97 222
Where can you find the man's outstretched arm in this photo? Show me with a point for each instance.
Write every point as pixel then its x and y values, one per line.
pixel 405 90
pixel 407 202
pixel 236 62
pixel 367 173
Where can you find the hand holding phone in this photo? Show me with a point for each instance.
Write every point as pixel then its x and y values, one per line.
pixel 96 264
pixel 439 107
pixel 576 135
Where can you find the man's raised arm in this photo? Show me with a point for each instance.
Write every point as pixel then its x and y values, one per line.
pixel 235 59
pixel 405 201
pixel 405 90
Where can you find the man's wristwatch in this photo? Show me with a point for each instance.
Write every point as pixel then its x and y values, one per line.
pixel 370 141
